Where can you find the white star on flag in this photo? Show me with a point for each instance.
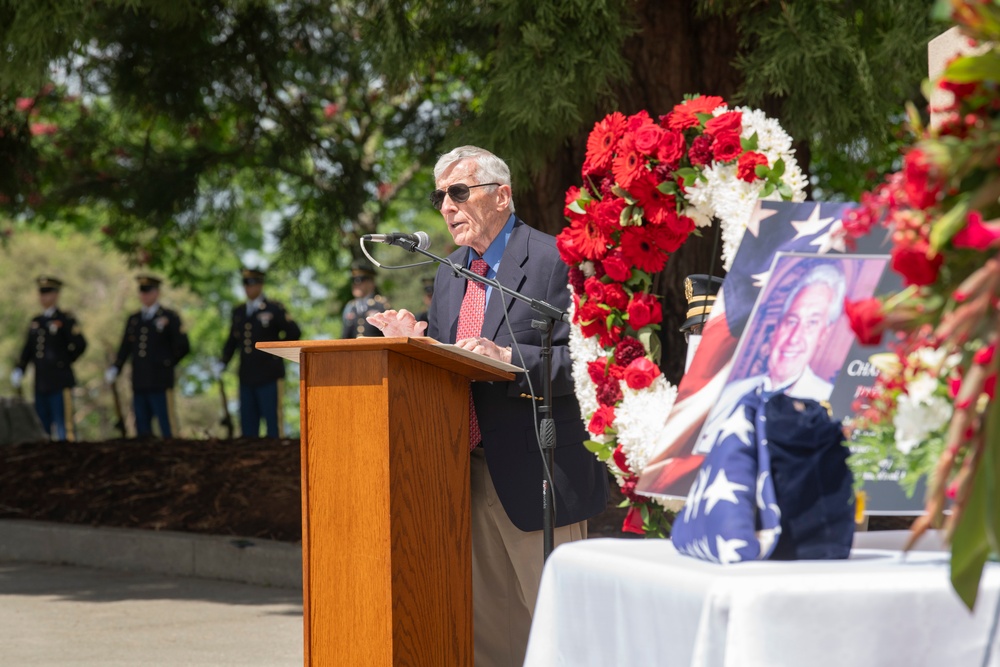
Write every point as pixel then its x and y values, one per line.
pixel 737 425
pixel 761 214
pixel 727 549
pixel 721 489
pixel 833 239
pixel 759 279
pixel 811 225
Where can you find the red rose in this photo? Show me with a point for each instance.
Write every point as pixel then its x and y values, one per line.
pixel 598 370
pixel 633 521
pixel 619 457
pixel 731 121
pixel 747 166
pixel 727 147
pixel 640 373
pixel 671 148
pixel 645 309
pixel 603 417
pixel 594 290
pixel 920 190
pixel 616 267
pixel 867 320
pixel 915 263
pixel 977 234
pixel 647 138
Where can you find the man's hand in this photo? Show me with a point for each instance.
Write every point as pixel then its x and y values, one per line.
pixel 16 376
pixel 485 347
pixel 397 323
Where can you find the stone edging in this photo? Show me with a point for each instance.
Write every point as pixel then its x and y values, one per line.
pixel 247 560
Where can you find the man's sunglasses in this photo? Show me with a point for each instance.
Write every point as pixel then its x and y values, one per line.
pixel 459 192
pixel 253 281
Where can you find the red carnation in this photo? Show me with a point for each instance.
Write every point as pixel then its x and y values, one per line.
pixel 629 164
pixel 608 214
pixel 701 150
pixel 567 242
pixel 685 114
pixel 576 278
pixel 640 373
pixel 628 350
pixel 644 309
pixel 610 336
pixel 616 267
pixel 747 166
pixel 609 393
pixel 867 320
pixel 602 141
pixel 603 418
pixel 915 263
pixel 615 296
pixel 726 147
pixel 641 250
pixel 731 121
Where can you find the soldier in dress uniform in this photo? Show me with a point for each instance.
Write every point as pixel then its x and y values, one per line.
pixel 261 374
pixel 366 301
pixel 54 342
pixel 700 290
pixel 155 340
pixel 428 283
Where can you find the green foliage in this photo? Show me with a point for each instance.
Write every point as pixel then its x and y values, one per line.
pixel 840 72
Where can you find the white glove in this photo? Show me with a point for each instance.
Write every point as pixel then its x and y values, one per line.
pixel 217 368
pixel 16 376
pixel 111 374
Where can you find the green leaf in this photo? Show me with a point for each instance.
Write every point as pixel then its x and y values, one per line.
pixel 689 174
pixel 991 462
pixel 762 170
pixel 969 545
pixel 576 208
pixel 949 223
pixel 968 69
pixel 778 169
pixel 785 190
pixel 749 144
pixel 668 187
pixel 603 451
pixel 768 189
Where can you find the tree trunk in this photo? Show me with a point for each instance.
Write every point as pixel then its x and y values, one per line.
pixel 673 54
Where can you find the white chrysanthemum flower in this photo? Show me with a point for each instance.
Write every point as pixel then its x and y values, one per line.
pixel 640 418
pixel 916 419
pixel 582 351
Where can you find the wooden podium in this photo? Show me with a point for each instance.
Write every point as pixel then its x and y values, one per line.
pixel 386 547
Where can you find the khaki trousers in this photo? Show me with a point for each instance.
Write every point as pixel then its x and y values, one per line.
pixel 506 572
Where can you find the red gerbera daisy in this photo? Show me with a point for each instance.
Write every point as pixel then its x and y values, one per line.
pixel 641 249
pixel 602 142
pixel 629 164
pixel 685 114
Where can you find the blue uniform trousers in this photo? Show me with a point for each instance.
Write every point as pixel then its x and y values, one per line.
pixel 55 409
pixel 260 402
pixel 149 404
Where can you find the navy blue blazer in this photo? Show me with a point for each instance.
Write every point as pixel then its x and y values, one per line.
pixel 531 266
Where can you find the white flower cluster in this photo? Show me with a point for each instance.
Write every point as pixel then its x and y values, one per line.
pixel 640 417
pixel 721 194
pixel 922 409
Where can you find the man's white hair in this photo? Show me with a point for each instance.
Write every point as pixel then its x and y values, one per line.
pixel 489 168
pixel 822 274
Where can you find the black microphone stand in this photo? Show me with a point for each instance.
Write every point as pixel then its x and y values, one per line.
pixel 549 315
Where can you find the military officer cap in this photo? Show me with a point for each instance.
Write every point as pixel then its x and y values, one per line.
pixel 362 270
pixel 48 284
pixel 700 291
pixel 252 276
pixel 148 283
pixel 428 285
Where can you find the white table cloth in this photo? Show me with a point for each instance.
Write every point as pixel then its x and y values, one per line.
pixel 633 603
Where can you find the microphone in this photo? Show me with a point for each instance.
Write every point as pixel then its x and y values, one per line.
pixel 409 241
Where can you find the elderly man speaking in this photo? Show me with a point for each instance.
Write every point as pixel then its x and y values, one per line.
pixel 474 196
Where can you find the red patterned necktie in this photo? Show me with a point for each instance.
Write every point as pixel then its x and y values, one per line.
pixel 470 325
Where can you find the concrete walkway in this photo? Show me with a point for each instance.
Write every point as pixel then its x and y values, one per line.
pixel 140 605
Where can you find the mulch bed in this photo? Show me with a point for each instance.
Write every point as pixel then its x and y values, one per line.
pixel 244 487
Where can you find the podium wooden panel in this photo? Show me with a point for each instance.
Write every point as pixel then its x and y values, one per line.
pixel 386 547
